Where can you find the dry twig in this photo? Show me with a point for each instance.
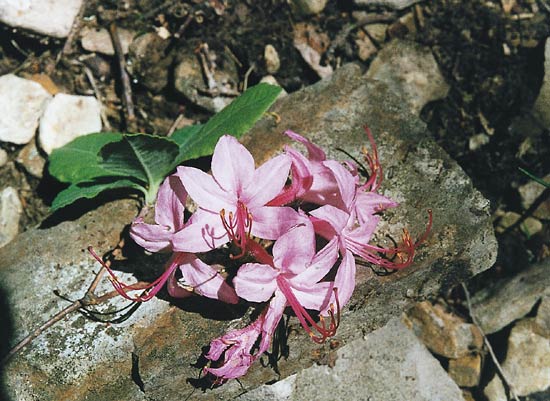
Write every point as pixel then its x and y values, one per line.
pixel 89 299
pixel 125 79
pixel 488 344
pixel 68 46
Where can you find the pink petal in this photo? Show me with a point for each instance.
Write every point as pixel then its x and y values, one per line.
pixel 268 180
pixel 337 218
pixel 204 190
pixel 293 251
pixel 153 237
pixel 321 264
pixel 170 204
pixel 345 182
pixel 314 297
pixel 232 165
pixel 273 315
pixel 369 203
pixel 174 289
pixel 204 231
pixel 345 279
pixel 206 280
pixel 255 282
pixel 270 222
pixel 315 153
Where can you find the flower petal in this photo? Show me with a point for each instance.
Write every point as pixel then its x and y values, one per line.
pixel 345 182
pixel 315 297
pixel 335 217
pixel 232 165
pixel 255 282
pixel 268 180
pixel 170 204
pixel 293 251
pixel 204 190
pixel 206 280
pixel 369 203
pixel 273 316
pixel 153 237
pixel 315 153
pixel 345 279
pixel 270 222
pixel 321 264
pixel 204 231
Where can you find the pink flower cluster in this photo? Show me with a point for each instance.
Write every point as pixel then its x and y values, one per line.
pixel 299 221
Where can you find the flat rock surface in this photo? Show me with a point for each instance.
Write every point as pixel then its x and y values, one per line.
pixel 151 355
pixel 388 364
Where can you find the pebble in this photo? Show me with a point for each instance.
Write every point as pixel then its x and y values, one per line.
pixel 410 70
pixel 22 101
pixel 10 214
pixel 99 40
pixel 395 4
pixel 49 17
pixel 508 300
pixel 67 117
pixel 443 333
pixel 378 32
pixel 148 62
pixel 527 363
pixel 32 161
pixel 530 192
pixel 270 79
pixel 466 370
pixel 365 46
pixel 542 104
pixel 272 61
pixel 189 81
pixel 307 7
pixel 3 157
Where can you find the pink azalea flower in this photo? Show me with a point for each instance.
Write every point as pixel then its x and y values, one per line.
pixel 199 277
pixel 236 346
pixel 294 273
pixel 232 201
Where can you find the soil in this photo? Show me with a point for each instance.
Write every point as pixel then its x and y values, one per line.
pixel 491 58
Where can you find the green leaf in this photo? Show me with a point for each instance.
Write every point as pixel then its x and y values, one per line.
pixel 89 191
pixel 235 119
pixel 147 158
pixel 535 178
pixel 78 160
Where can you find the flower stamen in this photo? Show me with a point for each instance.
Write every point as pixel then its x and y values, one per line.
pixel 238 227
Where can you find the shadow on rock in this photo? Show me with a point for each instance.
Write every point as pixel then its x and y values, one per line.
pixel 6 338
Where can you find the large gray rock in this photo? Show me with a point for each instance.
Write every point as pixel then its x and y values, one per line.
pixel 388 364
pixel 511 299
pixel 527 363
pixel 164 341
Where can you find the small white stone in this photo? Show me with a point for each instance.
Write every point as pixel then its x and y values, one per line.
pixel 22 102
pixel 10 214
pixel 67 117
pixel 99 40
pixel 49 17
pixel 270 79
pixel 395 4
pixel 308 7
pixel 272 61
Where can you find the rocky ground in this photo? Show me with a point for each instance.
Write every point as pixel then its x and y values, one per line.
pixel 458 96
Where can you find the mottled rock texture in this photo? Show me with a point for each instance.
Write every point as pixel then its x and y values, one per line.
pixel 150 355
